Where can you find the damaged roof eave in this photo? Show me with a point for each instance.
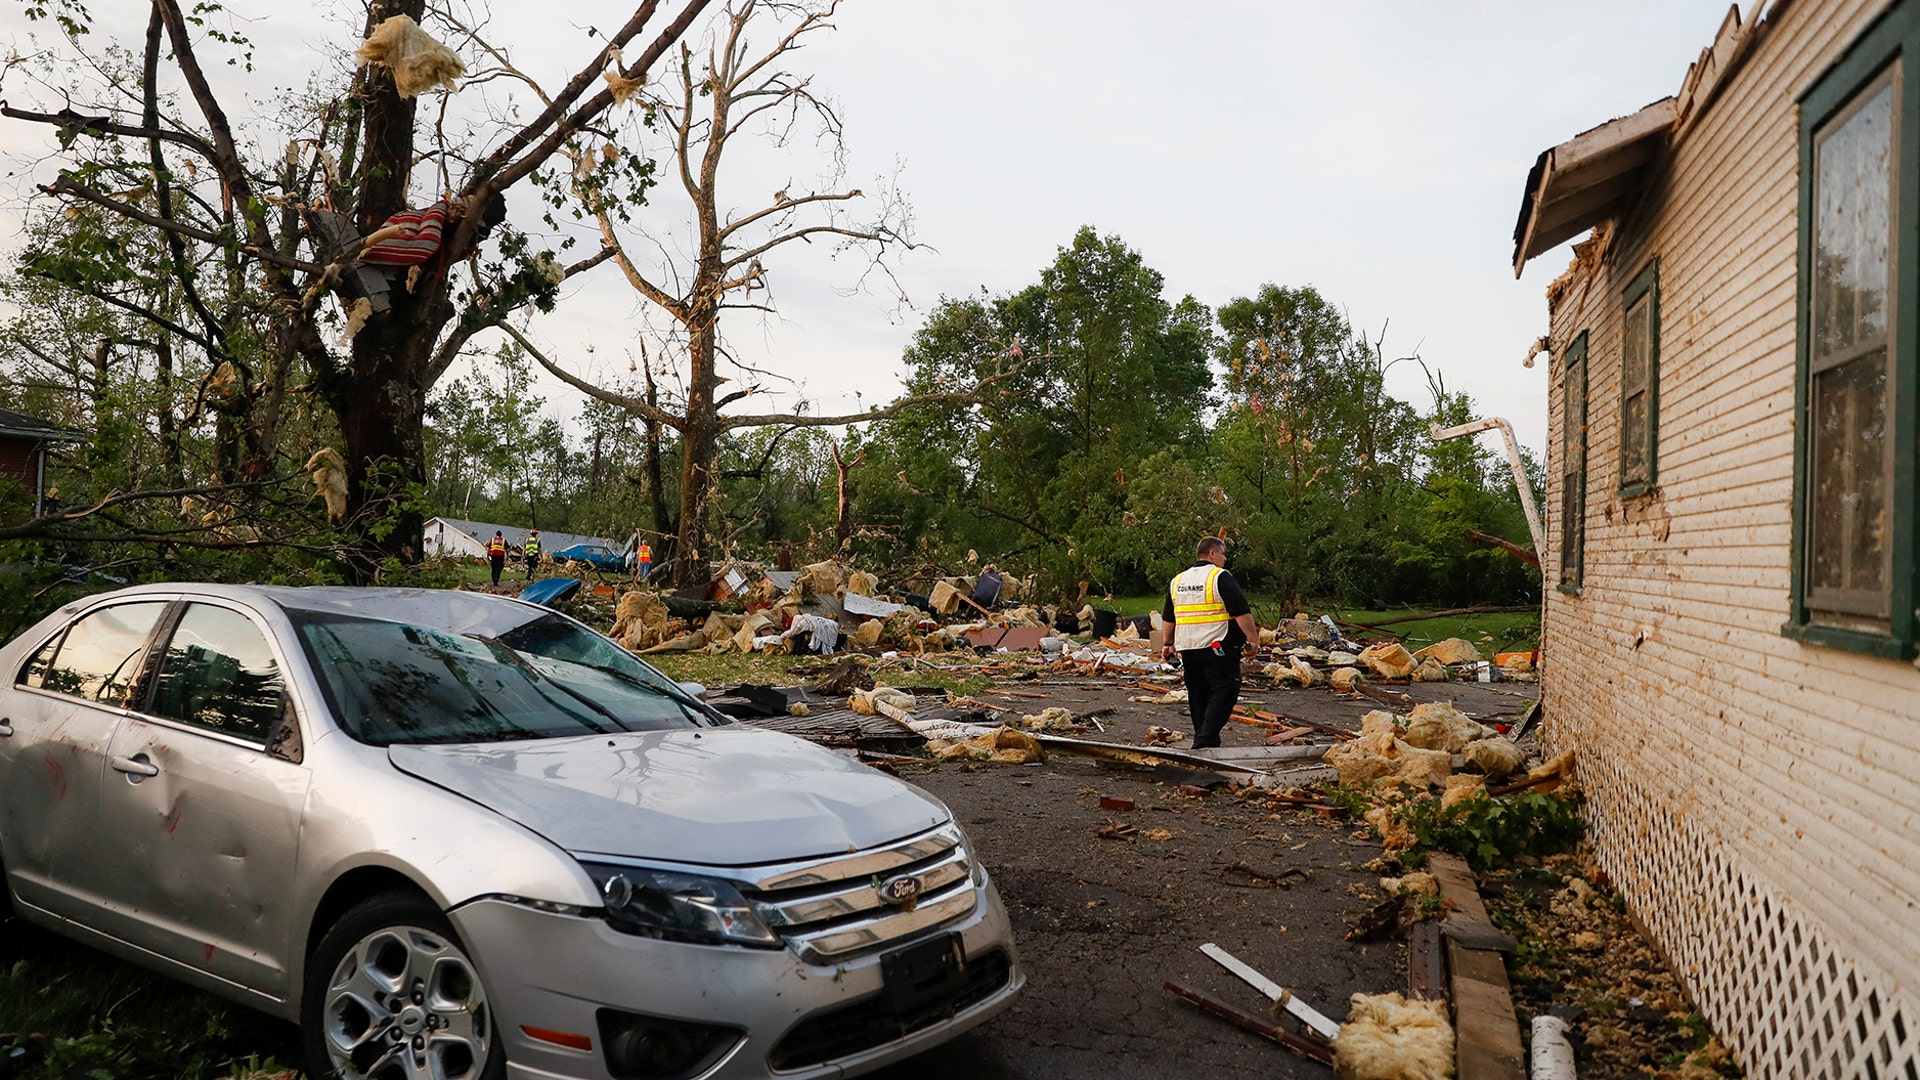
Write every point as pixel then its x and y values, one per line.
pixel 1593 177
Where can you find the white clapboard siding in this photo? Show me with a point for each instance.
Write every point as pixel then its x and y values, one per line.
pixel 1757 800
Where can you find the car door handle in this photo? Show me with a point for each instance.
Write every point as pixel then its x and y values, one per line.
pixel 137 765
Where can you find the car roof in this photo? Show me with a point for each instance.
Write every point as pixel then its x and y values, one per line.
pixel 448 609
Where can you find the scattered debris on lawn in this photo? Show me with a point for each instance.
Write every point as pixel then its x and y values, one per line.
pixel 1580 958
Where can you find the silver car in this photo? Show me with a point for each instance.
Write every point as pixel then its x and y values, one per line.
pixel 460 836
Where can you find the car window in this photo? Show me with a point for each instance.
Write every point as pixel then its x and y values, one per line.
pixel 218 673
pixel 391 682
pixel 99 657
pixel 35 673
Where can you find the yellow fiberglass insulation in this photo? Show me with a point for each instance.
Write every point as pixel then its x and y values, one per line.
pixel 1387 1037
pixel 419 62
pixel 1440 726
pixel 1389 661
pixel 1497 757
pixel 1379 722
pixel 329 472
pixel 1461 788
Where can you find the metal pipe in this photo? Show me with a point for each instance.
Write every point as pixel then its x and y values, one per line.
pixel 1520 482
pixel 1552 1057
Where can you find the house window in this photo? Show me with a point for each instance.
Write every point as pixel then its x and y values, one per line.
pixel 1573 465
pixel 1640 382
pixel 1853 573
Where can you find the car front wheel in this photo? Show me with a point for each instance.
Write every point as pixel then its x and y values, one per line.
pixel 392 995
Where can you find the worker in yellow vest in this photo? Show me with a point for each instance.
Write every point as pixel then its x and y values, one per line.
pixel 532 552
pixel 497 554
pixel 645 559
pixel 1207 620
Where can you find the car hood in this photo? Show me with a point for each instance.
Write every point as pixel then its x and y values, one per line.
pixel 733 796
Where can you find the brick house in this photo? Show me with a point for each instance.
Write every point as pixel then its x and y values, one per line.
pixel 24 441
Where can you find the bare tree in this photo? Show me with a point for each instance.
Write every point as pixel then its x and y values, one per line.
pixel 734 89
pixel 353 165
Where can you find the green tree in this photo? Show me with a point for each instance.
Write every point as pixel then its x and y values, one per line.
pixel 1110 373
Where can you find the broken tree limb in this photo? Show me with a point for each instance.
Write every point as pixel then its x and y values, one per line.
pixel 1299 1045
pixel 1509 546
pixel 1387 696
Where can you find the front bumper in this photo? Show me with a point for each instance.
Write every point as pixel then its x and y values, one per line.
pixel 555 972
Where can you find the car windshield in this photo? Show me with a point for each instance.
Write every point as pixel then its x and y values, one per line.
pixel 393 682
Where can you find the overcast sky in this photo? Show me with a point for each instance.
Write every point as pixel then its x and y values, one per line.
pixel 1373 150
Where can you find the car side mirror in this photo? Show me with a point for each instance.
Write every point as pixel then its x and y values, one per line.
pixel 692 689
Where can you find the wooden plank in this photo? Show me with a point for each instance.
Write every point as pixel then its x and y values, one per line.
pixel 1486 1029
pixel 1426 963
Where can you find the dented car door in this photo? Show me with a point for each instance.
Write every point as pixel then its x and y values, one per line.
pixel 67 700
pixel 202 820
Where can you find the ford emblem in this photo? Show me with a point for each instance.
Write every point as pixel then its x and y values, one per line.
pixel 902 891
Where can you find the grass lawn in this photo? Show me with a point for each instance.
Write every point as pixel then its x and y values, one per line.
pixel 1502 631
pixel 74 1012
pixel 1490 632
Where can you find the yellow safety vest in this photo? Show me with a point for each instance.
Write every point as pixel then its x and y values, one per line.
pixel 1199 615
pixel 646 553
pixel 533 545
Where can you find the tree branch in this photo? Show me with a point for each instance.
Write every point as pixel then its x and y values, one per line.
pixel 631 404
pixel 105 127
pixel 43 526
pixel 67 185
pixel 786 204
pixel 968 396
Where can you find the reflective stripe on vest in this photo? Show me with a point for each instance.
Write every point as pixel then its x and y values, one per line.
pixel 1199 615
pixel 646 553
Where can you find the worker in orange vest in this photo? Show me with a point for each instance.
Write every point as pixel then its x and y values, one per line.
pixel 645 559
pixel 497 555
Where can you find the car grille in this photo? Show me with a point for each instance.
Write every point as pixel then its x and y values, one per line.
pixel 866 1024
pixel 832 909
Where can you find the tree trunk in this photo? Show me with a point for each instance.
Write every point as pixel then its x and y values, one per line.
pixel 656 482
pixel 698 442
pixel 169 425
pixel 383 439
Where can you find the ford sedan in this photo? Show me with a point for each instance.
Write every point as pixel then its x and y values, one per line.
pixel 459 836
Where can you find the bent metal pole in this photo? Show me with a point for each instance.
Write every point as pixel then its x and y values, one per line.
pixel 1520 481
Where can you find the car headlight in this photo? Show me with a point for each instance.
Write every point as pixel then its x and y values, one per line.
pixel 678 907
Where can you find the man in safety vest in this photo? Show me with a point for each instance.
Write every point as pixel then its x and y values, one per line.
pixel 645 558
pixel 1207 619
pixel 497 555
pixel 532 551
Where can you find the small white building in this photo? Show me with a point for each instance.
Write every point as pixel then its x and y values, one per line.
pixel 455 537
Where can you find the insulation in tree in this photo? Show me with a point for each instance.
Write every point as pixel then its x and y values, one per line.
pixel 419 62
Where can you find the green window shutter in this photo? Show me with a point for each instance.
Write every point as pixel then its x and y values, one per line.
pixel 1854 491
pixel 1573 466
pixel 1640 383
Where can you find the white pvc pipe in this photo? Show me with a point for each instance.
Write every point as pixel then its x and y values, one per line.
pixel 1552 1053
pixel 1520 482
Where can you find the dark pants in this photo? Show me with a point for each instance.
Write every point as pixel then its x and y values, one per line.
pixel 1213 686
pixel 497 563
